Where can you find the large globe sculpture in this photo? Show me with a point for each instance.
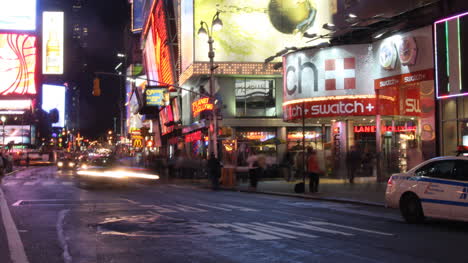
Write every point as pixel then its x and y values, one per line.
pixel 291 16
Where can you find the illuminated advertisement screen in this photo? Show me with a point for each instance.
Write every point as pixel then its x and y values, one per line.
pixel 249 27
pixel 19 134
pixel 53 97
pixel 187 27
pixel 17 64
pixel 52 43
pixel 165 117
pixel 157 48
pixel 18 14
pixel 154 96
pixel 451 66
pixel 150 60
pixel 137 15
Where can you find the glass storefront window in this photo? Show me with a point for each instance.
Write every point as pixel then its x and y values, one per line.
pixel 314 138
pixel 255 98
pixel 256 141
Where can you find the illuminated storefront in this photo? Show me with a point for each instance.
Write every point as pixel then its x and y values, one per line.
pixel 377 97
pixel 452 82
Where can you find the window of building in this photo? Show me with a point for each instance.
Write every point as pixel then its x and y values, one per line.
pixel 255 98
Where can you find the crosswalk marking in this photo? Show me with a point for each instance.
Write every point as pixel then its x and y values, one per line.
pixel 31 183
pixel 350 227
pixel 293 229
pixel 214 207
pixel 48 183
pixel 185 208
pixel 10 183
pixel 67 183
pixel 309 227
pixel 241 208
pixel 277 230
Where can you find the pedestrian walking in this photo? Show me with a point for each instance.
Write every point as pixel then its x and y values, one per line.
pixel 353 161
pixel 287 166
pixel 214 169
pixel 313 170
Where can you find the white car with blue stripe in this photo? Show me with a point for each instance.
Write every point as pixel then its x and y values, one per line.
pixel 436 188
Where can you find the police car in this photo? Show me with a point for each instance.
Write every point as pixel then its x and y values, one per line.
pixel 436 188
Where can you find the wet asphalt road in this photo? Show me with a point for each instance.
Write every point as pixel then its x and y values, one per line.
pixel 58 222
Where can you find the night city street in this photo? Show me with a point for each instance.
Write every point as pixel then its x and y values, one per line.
pixel 233 131
pixel 58 222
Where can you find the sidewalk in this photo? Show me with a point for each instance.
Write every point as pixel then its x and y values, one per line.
pixel 365 190
pixel 4 242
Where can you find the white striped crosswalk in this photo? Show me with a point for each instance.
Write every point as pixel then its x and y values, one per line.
pixel 45 182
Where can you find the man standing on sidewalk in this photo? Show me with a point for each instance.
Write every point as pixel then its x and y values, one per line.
pixel 353 161
pixel 313 170
pixel 214 169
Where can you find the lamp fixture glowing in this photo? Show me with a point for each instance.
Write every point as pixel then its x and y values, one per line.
pixel 202 31
pixel 217 23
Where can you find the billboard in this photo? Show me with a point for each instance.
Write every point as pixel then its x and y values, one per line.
pixel 249 27
pixel 17 64
pixel 154 96
pixel 19 134
pixel 53 97
pixel 18 15
pixel 150 60
pixel 158 48
pixel 52 42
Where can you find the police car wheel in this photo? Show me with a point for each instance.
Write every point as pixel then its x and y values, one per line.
pixel 411 209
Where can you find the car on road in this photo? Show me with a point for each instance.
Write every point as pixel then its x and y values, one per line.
pixel 107 170
pixel 437 188
pixel 66 164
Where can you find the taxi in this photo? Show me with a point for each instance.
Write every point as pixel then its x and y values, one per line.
pixel 437 188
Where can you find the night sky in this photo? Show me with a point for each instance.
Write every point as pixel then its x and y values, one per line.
pixel 107 21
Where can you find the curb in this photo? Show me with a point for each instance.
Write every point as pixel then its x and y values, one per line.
pixel 329 199
pixel 15 171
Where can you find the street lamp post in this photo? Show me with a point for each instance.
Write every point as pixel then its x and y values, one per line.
pixel 122 86
pixel 206 30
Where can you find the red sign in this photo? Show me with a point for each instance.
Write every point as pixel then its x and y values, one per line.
pixel 200 105
pixel 361 129
pixel 192 137
pixel 404 79
pixel 17 64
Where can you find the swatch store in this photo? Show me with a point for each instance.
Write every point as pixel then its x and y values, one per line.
pixel 378 98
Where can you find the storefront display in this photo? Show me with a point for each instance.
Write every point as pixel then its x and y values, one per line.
pixel 369 97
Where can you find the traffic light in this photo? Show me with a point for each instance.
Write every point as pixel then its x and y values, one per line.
pixel 96 87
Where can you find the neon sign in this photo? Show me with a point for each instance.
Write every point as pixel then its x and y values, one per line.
pixel 364 129
pixel 17 64
pixel 192 137
pixel 200 105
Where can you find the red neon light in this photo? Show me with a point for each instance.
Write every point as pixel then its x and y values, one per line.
pixel 196 136
pixel 17 64
pixel 361 129
pixel 200 105
pixel 161 45
pixel 165 116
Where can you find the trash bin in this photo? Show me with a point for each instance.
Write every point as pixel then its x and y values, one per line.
pixel 227 177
